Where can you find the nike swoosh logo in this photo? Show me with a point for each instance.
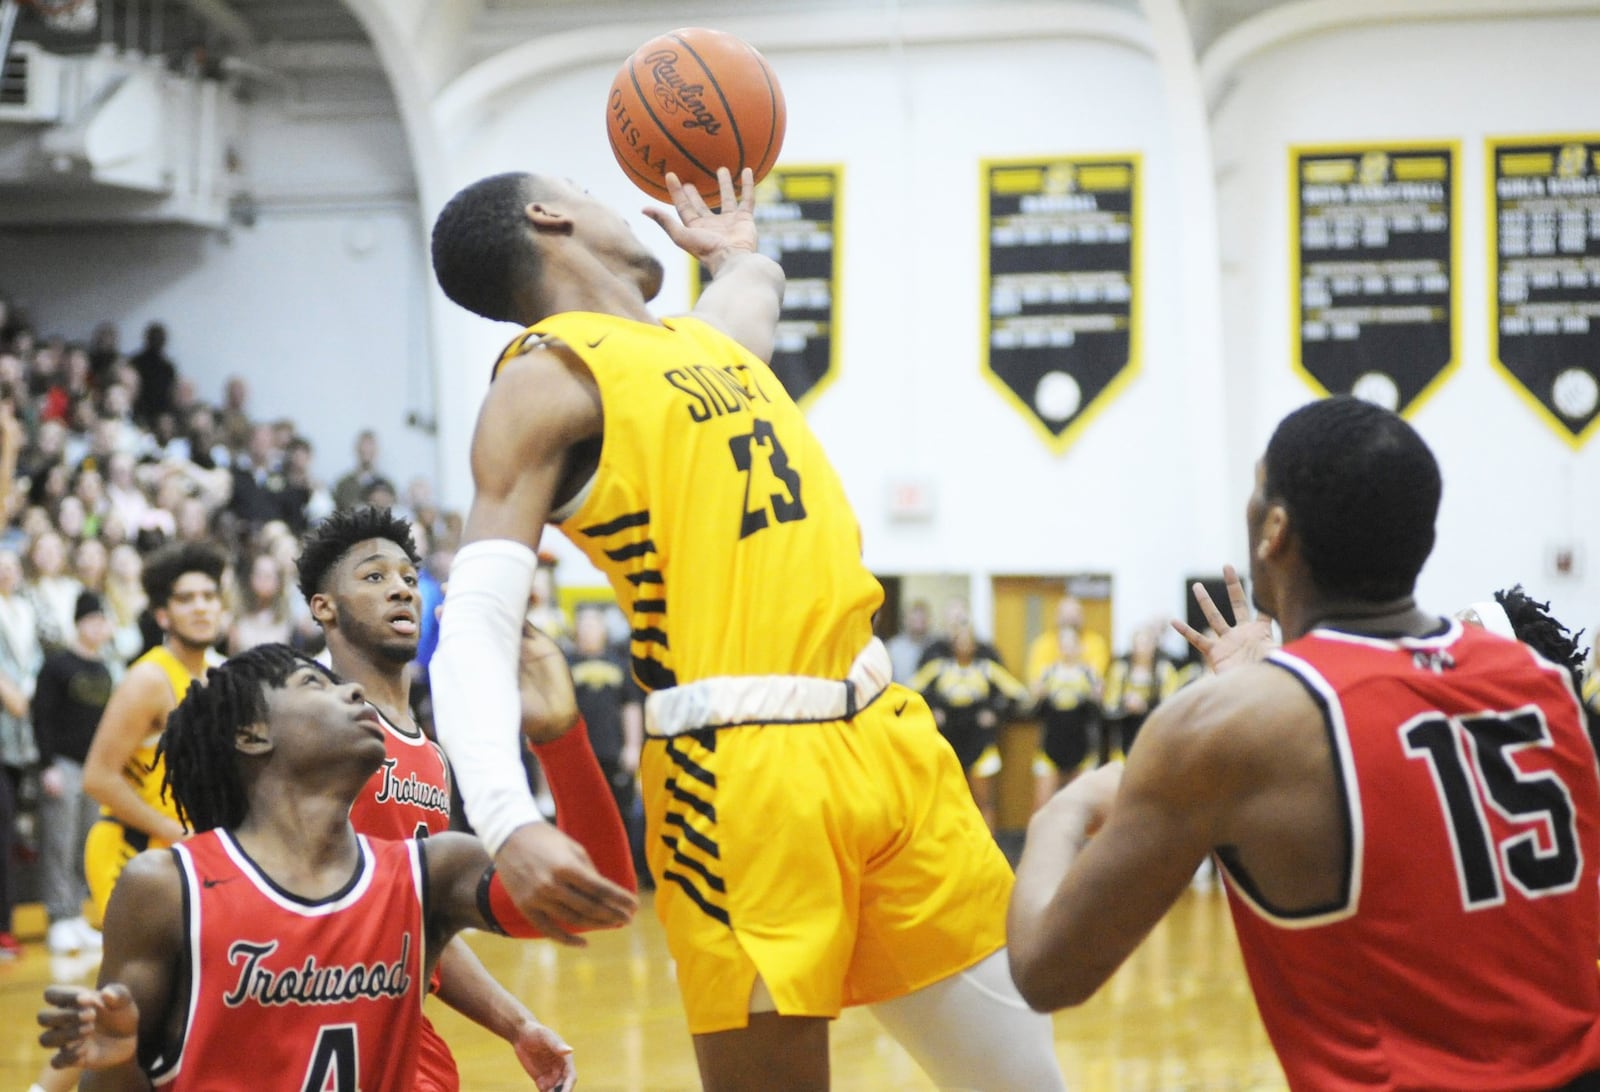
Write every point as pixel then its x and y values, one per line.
pixel 209 884
pixel 595 344
pixel 901 708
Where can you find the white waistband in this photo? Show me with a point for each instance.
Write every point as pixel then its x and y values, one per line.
pixel 730 700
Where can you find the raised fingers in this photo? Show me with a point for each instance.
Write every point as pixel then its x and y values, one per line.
pixel 747 190
pixel 1202 644
pixel 1236 596
pixel 1214 618
pixel 686 199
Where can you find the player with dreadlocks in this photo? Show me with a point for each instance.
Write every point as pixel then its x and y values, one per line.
pixel 358 573
pixel 1514 613
pixel 276 923
pixel 1518 615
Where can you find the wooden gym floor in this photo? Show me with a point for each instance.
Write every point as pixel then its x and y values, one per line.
pixel 1177 1017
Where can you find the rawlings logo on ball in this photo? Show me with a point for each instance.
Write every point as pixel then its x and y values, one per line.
pixel 691 102
pixel 672 91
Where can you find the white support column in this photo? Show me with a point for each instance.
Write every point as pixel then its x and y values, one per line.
pixel 1216 417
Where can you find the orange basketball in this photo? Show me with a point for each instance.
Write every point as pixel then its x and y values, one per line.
pixel 692 101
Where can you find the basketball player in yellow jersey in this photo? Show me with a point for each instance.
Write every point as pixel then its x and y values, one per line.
pixel 122 771
pixel 811 833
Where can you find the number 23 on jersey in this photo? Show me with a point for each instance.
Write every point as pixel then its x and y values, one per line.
pixel 771 485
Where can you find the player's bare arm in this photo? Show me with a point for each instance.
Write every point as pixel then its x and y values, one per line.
pixel 460 898
pixel 541 405
pixel 1104 861
pixel 467 986
pixel 103 1029
pixel 138 707
pixel 746 288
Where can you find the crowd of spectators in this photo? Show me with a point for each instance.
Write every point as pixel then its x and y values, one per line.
pixel 110 454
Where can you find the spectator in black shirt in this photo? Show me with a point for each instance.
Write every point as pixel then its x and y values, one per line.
pixel 72 690
pixel 258 481
pixel 303 498
pixel 104 352
pixel 206 449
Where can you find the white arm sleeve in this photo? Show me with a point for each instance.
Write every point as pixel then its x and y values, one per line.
pixel 473 674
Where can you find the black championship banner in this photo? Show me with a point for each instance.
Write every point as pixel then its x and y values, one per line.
pixel 797 211
pixel 1545 300
pixel 1374 284
pixel 1061 286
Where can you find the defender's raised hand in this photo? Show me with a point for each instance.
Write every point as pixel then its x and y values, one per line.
pixel 1227 647
pixel 549 706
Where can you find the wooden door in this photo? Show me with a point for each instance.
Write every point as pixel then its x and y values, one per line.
pixel 1025 607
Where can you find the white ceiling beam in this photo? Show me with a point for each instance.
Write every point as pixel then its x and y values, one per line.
pixel 1282 24
pixel 537 57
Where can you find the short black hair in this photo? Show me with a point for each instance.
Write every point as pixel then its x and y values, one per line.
pixel 164 568
pixel 480 244
pixel 198 746
pixel 322 547
pixel 1362 492
pixel 1534 626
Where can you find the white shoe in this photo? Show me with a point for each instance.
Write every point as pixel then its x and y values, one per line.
pixel 88 934
pixel 63 938
pixel 74 968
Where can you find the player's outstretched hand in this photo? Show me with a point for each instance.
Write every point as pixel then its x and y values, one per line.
pixel 546 1057
pixel 549 706
pixel 95 1029
pixel 1227 647
pixel 556 887
pixel 711 237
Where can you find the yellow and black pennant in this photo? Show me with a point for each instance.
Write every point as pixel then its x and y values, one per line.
pixel 1375 243
pixel 1061 285
pixel 798 211
pixel 1544 252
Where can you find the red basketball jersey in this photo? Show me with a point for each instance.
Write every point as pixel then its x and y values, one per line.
pixel 409 796
pixel 1462 952
pixel 321 996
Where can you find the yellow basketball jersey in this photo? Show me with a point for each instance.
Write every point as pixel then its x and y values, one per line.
pixel 144 770
pixel 714 513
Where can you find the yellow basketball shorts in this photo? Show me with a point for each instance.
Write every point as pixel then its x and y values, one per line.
pixel 844 862
pixel 106 852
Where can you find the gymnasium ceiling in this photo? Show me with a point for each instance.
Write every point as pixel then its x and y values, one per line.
pixel 1209 19
pixel 500 22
